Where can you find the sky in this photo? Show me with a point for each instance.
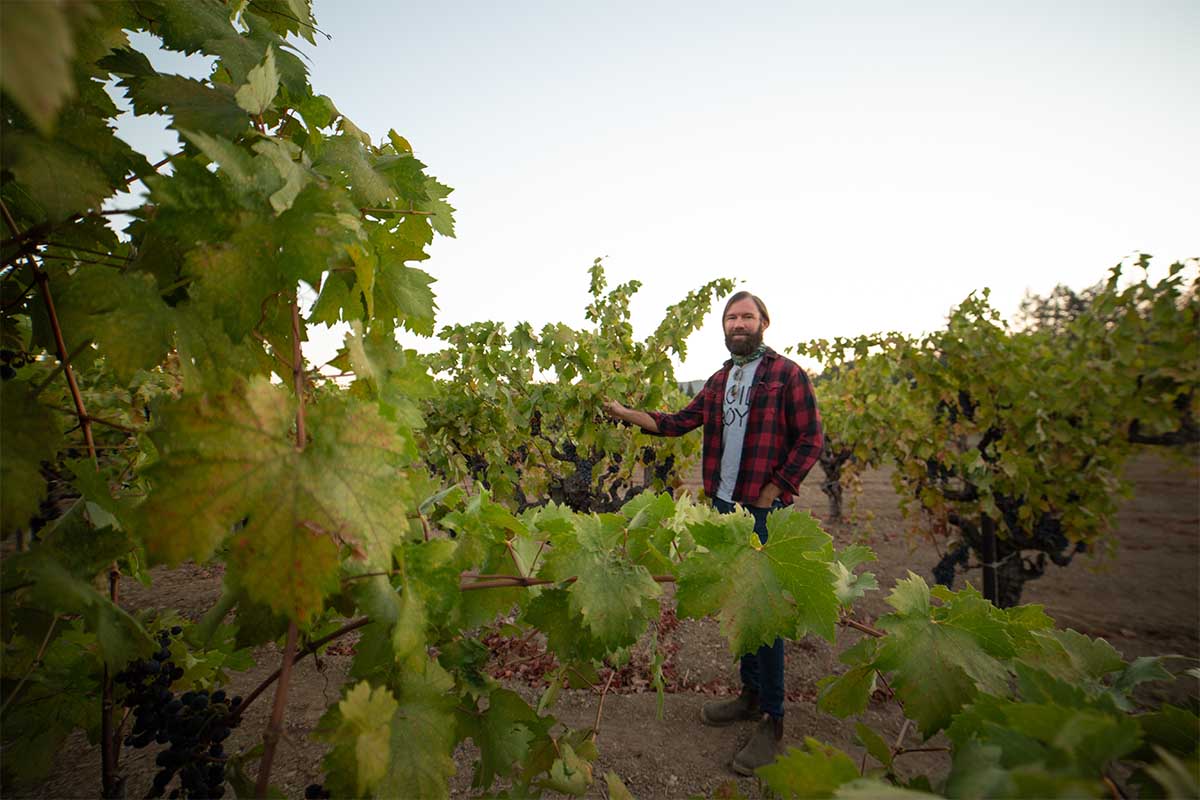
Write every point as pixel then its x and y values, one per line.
pixel 859 165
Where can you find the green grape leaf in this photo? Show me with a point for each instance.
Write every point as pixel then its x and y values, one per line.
pixel 408 633
pixel 1141 670
pixel 848 693
pixel 318 112
pixel 977 771
pixel 442 217
pixel 422 735
pixel 36 51
pixel 208 360
pixel 30 434
pixel 866 736
pixel 550 612
pixel 395 376
pixel 404 293
pixel 816 771
pixel 345 156
pixel 783 588
pixel 965 638
pixel 262 84
pixel 119 637
pixel 106 307
pixel 1071 656
pixel 1176 730
pixel 503 733
pixel 615 599
pixel 194 105
pixel 570 773
pixel 60 179
pixel 850 587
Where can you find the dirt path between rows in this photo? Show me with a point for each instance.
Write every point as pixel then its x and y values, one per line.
pixel 1145 600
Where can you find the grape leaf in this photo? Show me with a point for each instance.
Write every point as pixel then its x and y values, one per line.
pixel 397 377
pixel 503 733
pixel 58 178
pixel 392 745
pixel 345 156
pixel 193 105
pixel 550 612
pixel 403 293
pixel 847 693
pixel 30 434
pixel 119 637
pixel 360 729
pixel 36 50
pixel 1175 729
pixel 105 307
pixel 262 84
pixel 965 641
pixel 615 599
pixel 868 789
pixel 208 360
pixel 231 457
pixel 875 745
pixel 760 592
pixel 816 771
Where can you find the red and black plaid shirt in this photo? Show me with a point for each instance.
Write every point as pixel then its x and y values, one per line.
pixel 783 432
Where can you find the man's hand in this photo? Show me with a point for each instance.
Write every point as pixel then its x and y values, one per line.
pixel 630 415
pixel 615 410
pixel 767 497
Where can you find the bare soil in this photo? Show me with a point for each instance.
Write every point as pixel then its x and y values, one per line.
pixel 1144 598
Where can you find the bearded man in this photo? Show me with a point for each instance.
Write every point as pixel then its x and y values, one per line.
pixel 762 434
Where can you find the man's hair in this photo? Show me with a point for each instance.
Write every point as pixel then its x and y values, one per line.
pixel 762 307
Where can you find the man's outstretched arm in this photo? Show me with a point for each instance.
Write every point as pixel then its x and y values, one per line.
pixel 632 415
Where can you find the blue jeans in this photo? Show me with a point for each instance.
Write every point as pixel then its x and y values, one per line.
pixel 762 672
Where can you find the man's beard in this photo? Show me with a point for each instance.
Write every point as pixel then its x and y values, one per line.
pixel 744 346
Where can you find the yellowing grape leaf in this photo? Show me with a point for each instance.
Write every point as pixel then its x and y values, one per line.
pixel 225 459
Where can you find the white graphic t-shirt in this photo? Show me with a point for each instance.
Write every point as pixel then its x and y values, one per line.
pixel 736 408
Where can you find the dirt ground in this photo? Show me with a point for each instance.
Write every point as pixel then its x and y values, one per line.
pixel 1145 600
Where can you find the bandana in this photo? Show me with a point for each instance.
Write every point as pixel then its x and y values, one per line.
pixel 746 359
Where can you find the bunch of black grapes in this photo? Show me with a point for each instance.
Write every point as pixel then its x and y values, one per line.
pixel 194 725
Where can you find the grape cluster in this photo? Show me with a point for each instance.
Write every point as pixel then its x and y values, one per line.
pixel 10 362
pixel 315 791
pixel 193 725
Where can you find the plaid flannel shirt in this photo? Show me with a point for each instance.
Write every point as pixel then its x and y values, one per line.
pixel 783 432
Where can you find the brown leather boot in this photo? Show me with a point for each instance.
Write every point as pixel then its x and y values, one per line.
pixel 720 713
pixel 763 748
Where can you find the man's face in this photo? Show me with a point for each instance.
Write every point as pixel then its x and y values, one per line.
pixel 744 327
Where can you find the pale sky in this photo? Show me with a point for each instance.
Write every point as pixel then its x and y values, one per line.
pixel 860 166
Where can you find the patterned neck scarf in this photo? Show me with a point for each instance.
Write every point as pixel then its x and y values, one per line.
pixel 746 359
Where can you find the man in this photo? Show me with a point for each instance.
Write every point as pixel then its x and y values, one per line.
pixel 762 434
